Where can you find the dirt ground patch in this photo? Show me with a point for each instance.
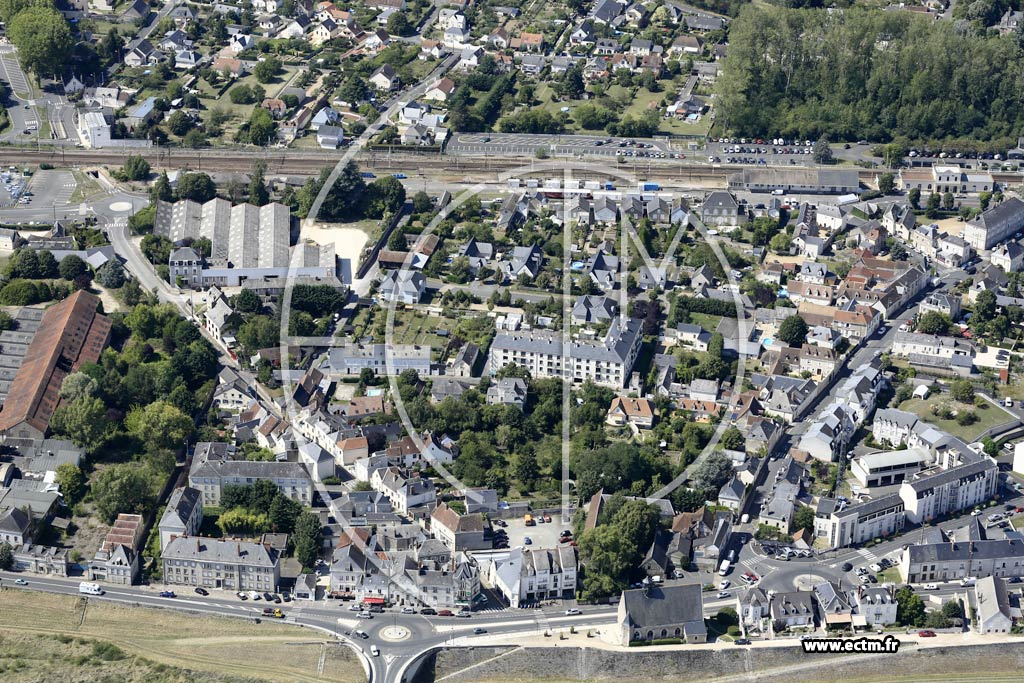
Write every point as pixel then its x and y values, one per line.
pixel 212 645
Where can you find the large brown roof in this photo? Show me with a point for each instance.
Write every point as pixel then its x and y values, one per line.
pixel 71 333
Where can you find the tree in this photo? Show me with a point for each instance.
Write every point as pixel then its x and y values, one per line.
pixel 354 90
pixel 159 423
pixel 6 557
pixel 71 266
pixel 781 243
pixel 195 139
pixel 962 390
pixel 713 472
pixel 934 322
pixel 822 151
pixel 266 69
pixel 198 187
pixel 307 538
pixel 161 189
pixel 77 385
pixel 910 608
pixel 984 306
pixel 43 39
pixel 914 196
pixel 180 123
pixel 385 197
pixel 82 420
pixel 121 488
pixel 248 301
pixel 70 480
pixel 283 514
pixel 572 86
pixel 947 201
pixel 258 194
pixel 732 439
pixel 346 198
pixel 886 183
pixel 421 202
pixel 399 25
pixel 804 518
pixel 239 522
pixel 261 126
pixel 135 167
pixel 793 331
pixel 932 207
pixel 111 274
pixel 156 248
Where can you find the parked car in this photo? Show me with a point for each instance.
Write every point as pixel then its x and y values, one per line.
pixel 428 611
pixel 931 586
pixel 926 634
pixel 408 610
pixel 202 591
pixel 741 641
pixel 242 596
pixel 445 613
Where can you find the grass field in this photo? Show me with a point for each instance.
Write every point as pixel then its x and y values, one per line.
pixel 989 415
pixel 705 320
pixel 34 626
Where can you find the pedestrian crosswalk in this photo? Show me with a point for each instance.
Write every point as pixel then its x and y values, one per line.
pixel 867 554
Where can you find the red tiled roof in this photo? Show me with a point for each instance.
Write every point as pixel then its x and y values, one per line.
pixel 71 333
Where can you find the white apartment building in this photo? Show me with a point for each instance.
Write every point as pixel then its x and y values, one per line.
pixel 607 362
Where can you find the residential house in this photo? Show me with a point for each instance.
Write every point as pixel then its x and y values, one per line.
pixel 527 576
pixel 638 413
pixel 458 531
pixel 385 78
pixel 510 391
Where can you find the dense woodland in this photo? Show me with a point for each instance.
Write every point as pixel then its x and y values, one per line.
pixel 856 74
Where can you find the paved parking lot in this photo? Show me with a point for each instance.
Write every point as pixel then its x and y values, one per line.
pixel 543 535
pixel 56 186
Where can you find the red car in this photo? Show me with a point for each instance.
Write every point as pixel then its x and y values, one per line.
pixel 445 613
pixel 1018 509
pixel 926 634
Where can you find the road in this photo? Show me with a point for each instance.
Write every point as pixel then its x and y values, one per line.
pixel 400 637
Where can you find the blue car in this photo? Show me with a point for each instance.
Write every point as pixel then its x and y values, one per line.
pixel 167 594
pixel 367 174
pixel 400 176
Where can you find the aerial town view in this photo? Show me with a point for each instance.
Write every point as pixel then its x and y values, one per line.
pixel 509 341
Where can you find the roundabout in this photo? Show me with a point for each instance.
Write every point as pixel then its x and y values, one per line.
pixel 394 633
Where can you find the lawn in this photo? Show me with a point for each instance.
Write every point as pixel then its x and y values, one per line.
pixel 989 415
pixel 53 637
pixel 705 320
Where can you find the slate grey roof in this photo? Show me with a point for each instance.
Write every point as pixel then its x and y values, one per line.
pixel 963 472
pixel 181 505
pixel 657 606
pixel 197 548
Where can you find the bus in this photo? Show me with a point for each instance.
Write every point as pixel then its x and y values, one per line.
pixel 90 588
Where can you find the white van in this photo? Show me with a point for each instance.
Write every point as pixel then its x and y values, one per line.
pixel 375 651
pixel 724 569
pixel 90 588
pixel 968 581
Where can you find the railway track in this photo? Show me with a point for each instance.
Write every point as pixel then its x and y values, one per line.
pixel 309 162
